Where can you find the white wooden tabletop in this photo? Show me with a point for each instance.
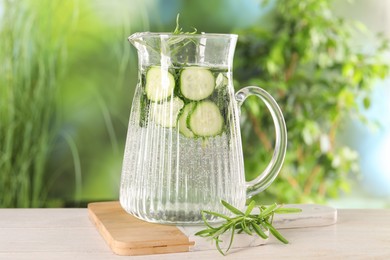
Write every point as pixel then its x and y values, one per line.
pixel 69 234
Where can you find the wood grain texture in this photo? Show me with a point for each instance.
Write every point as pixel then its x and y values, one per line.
pixel 127 235
pixel 69 234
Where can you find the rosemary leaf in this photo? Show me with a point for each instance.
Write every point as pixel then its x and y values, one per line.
pixel 250 208
pixel 268 210
pixel 205 220
pixel 276 233
pixel 205 232
pixel 231 208
pixel 231 238
pixel 287 210
pixel 245 228
pixel 217 241
pixel 215 214
pixel 259 231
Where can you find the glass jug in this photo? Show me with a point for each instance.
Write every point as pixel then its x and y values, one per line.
pixel 183 149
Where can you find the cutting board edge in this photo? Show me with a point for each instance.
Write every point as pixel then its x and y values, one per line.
pixel 124 248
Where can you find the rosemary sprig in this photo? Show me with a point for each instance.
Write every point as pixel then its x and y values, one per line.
pixel 179 30
pixel 175 40
pixel 244 222
pixel 171 46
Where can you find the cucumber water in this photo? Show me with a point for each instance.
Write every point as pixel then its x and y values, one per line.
pixel 192 116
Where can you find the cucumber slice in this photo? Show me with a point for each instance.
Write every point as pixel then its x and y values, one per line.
pixel 183 128
pixel 206 119
pixel 221 81
pixel 165 114
pixel 159 85
pixel 196 83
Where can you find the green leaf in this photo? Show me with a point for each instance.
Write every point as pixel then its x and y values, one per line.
pixel 367 102
pixel 245 228
pixel 205 220
pixel 177 30
pixel 347 70
pixel 276 233
pixel 283 210
pixel 218 246
pixel 231 208
pixel 268 210
pixel 205 232
pixel 222 229
pixel 231 238
pixel 250 207
pixel 216 214
pixel 259 230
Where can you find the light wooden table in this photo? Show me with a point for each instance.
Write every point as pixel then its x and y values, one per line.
pixel 69 234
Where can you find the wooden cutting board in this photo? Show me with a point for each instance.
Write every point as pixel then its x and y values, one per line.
pixel 128 235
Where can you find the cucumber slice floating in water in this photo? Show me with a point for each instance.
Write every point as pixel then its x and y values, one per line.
pixel 221 81
pixel 183 118
pixel 165 114
pixel 159 85
pixel 196 83
pixel 206 119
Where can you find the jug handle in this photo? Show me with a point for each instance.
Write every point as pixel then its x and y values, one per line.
pixel 271 171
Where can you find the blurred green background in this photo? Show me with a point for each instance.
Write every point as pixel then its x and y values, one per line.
pixel 67 77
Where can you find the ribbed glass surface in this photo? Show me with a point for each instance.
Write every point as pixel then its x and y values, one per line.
pixel 168 177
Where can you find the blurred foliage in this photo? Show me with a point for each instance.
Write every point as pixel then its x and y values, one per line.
pixel 95 99
pixel 65 96
pixel 31 62
pixel 308 61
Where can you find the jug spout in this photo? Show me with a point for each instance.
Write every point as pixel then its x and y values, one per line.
pixel 136 39
pixel 133 38
pixel 191 49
